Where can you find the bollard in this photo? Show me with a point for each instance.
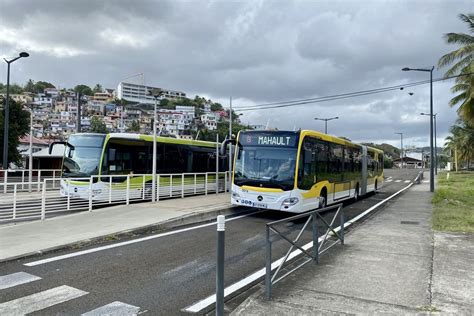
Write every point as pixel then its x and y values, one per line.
pixel 268 265
pixel 220 265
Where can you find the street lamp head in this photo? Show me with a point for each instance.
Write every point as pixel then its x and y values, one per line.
pixel 406 69
pixel 24 54
pixel 336 118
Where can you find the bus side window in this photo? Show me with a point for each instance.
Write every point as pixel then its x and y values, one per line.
pixel 308 163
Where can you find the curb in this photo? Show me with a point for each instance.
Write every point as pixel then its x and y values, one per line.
pixel 160 227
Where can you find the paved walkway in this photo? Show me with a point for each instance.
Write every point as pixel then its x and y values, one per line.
pixel 32 237
pixel 393 263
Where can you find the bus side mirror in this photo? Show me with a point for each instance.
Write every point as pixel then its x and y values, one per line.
pixel 225 143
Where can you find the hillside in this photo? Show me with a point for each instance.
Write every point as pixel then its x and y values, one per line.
pixel 388 149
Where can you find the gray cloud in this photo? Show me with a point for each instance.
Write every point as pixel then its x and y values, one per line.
pixel 256 51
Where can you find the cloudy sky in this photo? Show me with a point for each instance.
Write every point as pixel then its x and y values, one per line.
pixel 255 51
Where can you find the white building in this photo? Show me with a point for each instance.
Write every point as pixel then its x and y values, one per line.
pixel 210 121
pixel 139 93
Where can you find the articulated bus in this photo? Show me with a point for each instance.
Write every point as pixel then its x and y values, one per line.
pixel 127 154
pixel 301 171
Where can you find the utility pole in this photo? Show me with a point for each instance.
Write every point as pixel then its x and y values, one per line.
pixel 78 119
pixel 401 149
pixel 230 144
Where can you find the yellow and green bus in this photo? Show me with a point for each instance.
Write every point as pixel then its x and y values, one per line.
pixel 112 158
pixel 301 171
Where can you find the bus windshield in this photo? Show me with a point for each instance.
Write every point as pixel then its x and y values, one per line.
pixel 272 167
pixel 83 160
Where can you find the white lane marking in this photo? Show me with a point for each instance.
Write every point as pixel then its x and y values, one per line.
pixel 426 181
pixel 41 300
pixel 389 180
pixel 200 305
pixel 398 181
pixel 129 242
pixel 114 309
pixel 407 181
pixel 14 279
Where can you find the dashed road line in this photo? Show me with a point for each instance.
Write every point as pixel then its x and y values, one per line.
pixel 397 181
pixel 14 279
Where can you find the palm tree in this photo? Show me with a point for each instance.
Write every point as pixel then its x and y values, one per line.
pixel 463 60
pixel 462 141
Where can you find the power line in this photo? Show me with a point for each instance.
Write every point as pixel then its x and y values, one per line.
pixel 338 96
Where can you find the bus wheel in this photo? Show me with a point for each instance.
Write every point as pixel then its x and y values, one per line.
pixel 356 192
pixel 323 199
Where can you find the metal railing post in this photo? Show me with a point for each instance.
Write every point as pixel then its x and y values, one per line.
pixel 195 184
pixel 220 265
pixel 39 180
pixel 143 188
pixel 127 195
pixel 54 178
pixel 5 180
pixel 14 201
pixel 225 181
pixel 205 184
pixel 315 238
pixel 110 189
pixel 268 265
pixel 171 185
pixel 90 193
pixel 157 187
pixel 43 201
pixel 68 203
pixel 22 179
pixel 182 185
pixel 341 232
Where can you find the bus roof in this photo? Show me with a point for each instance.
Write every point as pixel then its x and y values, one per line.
pixel 160 139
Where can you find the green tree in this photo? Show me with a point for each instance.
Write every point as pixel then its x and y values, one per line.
pixel 463 60
pixel 41 85
pixel 98 125
pixel 19 125
pixel 97 88
pixel 83 89
pixel 216 107
pixel 134 127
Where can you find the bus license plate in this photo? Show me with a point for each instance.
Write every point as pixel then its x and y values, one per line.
pixel 253 204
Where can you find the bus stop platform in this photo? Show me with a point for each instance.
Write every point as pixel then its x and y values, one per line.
pixel 106 224
pixel 393 263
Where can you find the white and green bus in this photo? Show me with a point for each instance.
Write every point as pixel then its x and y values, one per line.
pixel 301 171
pixel 107 161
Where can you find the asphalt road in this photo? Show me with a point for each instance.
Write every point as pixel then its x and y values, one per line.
pixel 164 275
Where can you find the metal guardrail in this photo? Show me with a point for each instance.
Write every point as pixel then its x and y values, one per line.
pixel 98 191
pixel 10 177
pixel 314 219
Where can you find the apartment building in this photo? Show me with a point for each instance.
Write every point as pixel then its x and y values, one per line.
pixel 139 93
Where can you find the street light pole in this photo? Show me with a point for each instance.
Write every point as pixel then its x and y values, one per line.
pixel 435 143
pixel 156 93
pixel 7 109
pixel 401 149
pixel 30 162
pixel 430 70
pixel 230 144
pixel 326 122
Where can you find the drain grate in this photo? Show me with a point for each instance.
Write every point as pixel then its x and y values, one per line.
pixel 410 223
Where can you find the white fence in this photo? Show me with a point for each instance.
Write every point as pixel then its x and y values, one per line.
pixel 85 194
pixel 11 177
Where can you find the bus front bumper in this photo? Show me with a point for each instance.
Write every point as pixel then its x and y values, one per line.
pixel 280 201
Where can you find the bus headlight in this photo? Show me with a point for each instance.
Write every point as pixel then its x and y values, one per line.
pixel 290 201
pixel 235 195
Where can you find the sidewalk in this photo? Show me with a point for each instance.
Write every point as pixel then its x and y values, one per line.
pixel 33 237
pixel 389 264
